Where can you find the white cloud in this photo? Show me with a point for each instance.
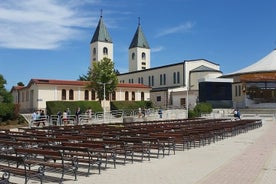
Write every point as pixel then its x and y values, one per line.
pixel 157 49
pixel 178 29
pixel 43 24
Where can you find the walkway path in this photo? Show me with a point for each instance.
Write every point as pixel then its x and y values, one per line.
pixel 256 164
pixel 248 158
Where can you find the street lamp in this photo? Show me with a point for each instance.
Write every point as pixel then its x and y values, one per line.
pixel 187 103
pixel 104 98
pixel 187 100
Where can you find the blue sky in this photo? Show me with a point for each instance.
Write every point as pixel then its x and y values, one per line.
pixel 50 39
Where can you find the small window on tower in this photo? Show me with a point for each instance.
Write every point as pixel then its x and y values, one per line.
pixel 94 51
pixel 105 51
pixel 143 63
pixel 133 56
pixel 143 56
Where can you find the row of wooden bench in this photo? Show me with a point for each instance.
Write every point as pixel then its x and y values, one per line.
pixel 96 144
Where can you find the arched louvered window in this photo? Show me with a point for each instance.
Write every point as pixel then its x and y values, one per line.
pixel 86 95
pixel 143 56
pixel 105 51
pixel 142 96
pixel 113 95
pixel 133 96
pixel 126 96
pixel 63 94
pixel 71 94
pixel 93 95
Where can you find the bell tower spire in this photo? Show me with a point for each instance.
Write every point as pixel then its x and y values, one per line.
pixel 139 51
pixel 101 44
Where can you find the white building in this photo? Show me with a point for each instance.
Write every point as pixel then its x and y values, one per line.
pixel 39 91
pixel 170 83
pixel 255 86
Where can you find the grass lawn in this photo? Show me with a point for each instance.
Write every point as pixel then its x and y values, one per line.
pixel 11 124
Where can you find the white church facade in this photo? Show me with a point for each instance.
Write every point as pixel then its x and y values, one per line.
pixel 171 85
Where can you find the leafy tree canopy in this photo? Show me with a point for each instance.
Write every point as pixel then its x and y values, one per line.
pixel 101 76
pixel 20 84
pixel 5 96
pixel 86 77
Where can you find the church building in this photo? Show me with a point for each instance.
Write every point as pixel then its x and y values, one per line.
pixel 172 85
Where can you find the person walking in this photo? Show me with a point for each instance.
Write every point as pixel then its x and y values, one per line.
pixel 78 113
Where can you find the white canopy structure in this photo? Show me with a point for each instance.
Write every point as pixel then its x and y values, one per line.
pixel 266 64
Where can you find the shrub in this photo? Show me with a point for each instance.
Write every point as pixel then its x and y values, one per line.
pixel 191 114
pixel 55 106
pixel 200 109
pixel 21 120
pixel 7 111
pixel 126 105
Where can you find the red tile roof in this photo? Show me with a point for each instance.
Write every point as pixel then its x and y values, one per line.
pixel 74 83
pixel 59 82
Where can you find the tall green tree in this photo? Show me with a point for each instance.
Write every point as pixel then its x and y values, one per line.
pixel 86 77
pixel 5 96
pixel 7 108
pixel 103 75
pixel 20 84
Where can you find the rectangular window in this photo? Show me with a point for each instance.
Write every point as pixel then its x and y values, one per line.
pixel 174 77
pixel 158 98
pixel 236 90
pixel 164 79
pixel 183 102
pixel 161 79
pixel 152 80
pixel 178 77
pixel 149 81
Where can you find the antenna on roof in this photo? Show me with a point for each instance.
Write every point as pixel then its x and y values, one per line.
pixel 101 12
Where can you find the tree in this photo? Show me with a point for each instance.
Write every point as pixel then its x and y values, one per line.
pixel 103 74
pixel 5 96
pixel 6 106
pixel 20 84
pixel 86 77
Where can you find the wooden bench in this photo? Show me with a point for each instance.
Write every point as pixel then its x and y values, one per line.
pixel 7 146
pixel 16 165
pixel 83 154
pixel 49 160
pixel 136 145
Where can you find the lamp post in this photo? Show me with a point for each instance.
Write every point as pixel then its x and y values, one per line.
pixel 104 98
pixel 187 100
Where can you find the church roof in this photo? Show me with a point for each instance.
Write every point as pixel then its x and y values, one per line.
pixel 101 34
pixel 75 83
pixel 203 68
pixel 266 64
pixel 139 39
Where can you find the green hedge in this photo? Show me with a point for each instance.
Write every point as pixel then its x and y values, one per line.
pixel 53 107
pixel 200 109
pixel 125 105
pixel 7 111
